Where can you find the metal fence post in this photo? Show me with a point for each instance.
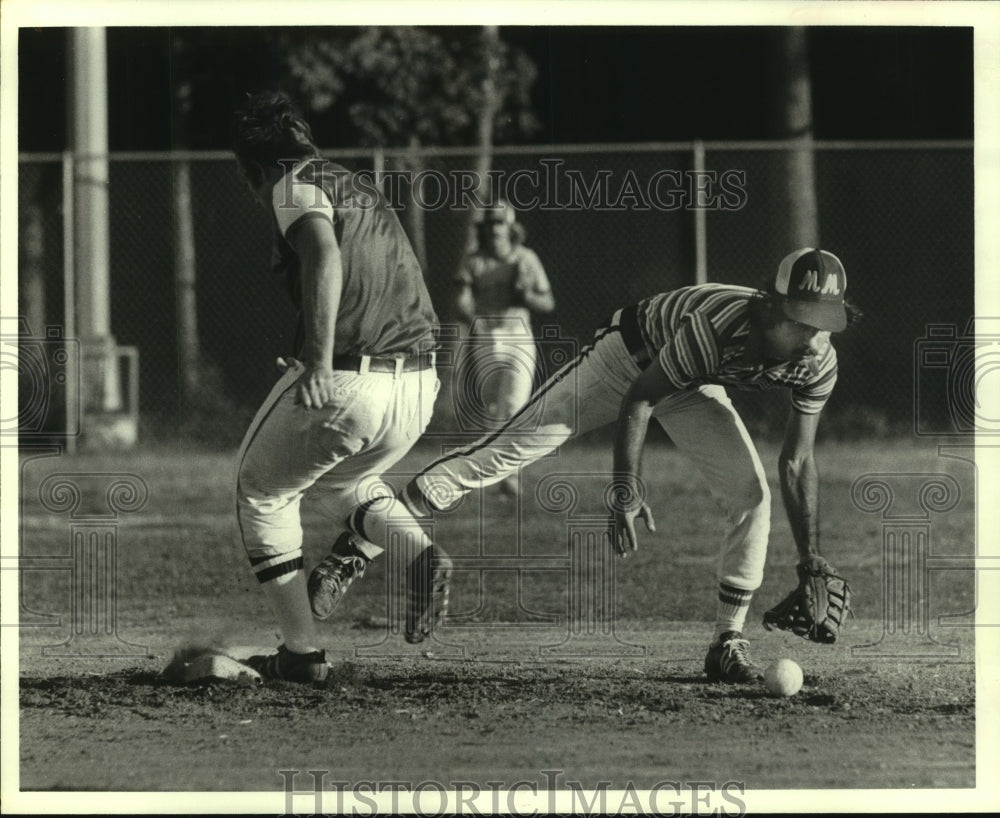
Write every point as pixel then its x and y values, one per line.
pixel 700 229
pixel 69 294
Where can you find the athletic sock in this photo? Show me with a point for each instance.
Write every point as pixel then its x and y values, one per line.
pixel 731 609
pixel 349 544
pixel 290 602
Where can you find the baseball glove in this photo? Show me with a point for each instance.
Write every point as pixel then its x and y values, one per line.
pixel 817 608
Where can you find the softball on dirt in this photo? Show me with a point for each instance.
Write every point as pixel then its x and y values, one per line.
pixel 783 678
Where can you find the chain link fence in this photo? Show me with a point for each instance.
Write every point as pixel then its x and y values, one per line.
pixel 610 223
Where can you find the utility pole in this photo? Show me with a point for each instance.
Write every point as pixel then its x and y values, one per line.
pixel 101 395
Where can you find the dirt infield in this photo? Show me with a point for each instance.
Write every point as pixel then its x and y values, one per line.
pixel 503 715
pixel 518 692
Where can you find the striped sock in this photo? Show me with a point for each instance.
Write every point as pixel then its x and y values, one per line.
pixel 357 522
pixel 731 610
pixel 272 567
pixel 413 498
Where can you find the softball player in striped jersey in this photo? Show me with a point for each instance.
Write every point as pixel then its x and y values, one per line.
pixel 671 357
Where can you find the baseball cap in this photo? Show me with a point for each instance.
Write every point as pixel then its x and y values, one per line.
pixel 812 284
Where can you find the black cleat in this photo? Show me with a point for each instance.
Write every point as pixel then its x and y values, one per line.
pixel 428 579
pixel 330 580
pixel 728 660
pixel 291 667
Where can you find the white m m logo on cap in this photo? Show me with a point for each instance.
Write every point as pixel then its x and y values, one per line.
pixel 810 281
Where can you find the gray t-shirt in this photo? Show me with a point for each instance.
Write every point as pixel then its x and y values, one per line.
pixel 384 305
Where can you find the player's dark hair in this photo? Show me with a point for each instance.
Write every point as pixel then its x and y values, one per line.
pixel 268 129
pixel 515 230
pixel 764 305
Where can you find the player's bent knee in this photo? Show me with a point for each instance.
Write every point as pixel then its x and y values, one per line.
pixel 751 498
pixel 268 527
pixel 758 517
pixel 760 495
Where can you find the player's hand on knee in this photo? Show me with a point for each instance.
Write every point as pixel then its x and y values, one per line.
pixel 315 387
pixel 623 536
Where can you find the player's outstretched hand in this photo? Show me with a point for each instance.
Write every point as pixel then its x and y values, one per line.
pixel 623 536
pixel 315 386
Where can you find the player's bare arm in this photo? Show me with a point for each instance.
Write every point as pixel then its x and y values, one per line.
pixel 630 435
pixel 538 300
pixel 465 303
pixel 800 481
pixel 818 606
pixel 533 286
pixel 322 279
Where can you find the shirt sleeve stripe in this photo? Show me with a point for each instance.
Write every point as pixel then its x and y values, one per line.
pixel 293 199
pixel 812 397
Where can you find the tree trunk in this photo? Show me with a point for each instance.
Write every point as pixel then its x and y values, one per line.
pixel 795 95
pixel 185 262
pixel 186 282
pixel 491 103
pixel 31 267
pixel 414 212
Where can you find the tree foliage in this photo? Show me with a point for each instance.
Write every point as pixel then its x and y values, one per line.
pixel 391 86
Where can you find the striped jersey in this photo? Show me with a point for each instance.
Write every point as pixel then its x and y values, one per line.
pixel 385 308
pixel 699 335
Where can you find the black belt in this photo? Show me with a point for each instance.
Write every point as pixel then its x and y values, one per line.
pixel 628 325
pixel 395 365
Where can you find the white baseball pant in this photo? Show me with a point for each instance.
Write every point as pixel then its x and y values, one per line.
pixel 586 394
pixel 341 449
pixel 496 377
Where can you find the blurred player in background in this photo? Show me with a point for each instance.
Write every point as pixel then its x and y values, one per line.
pixel 355 403
pixel 500 284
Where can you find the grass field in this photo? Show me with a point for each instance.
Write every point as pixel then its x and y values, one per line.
pixel 528 675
